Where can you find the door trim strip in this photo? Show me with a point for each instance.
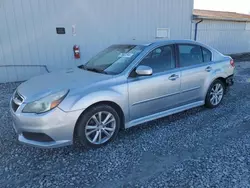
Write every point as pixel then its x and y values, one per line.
pixel 163 114
pixel 156 98
pixel 192 89
pixel 164 96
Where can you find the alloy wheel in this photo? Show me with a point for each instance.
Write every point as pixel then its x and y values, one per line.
pixel 100 128
pixel 216 94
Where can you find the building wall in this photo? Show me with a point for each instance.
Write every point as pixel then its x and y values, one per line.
pixel 226 36
pixel 29 43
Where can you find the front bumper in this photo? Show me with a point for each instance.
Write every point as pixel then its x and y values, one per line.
pixel 56 125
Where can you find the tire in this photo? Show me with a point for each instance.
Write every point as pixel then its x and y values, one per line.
pixel 211 101
pixel 89 127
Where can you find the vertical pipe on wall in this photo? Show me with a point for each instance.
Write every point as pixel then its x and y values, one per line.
pixel 196 29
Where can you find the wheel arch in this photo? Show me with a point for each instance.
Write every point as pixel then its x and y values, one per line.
pixel 223 80
pixel 109 103
pixel 210 81
pixel 207 101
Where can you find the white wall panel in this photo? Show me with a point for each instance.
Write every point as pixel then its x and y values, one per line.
pixel 226 36
pixel 28 36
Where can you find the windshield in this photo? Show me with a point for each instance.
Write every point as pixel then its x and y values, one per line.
pixel 114 59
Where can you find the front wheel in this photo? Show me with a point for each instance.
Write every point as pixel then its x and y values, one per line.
pixel 215 94
pixel 98 126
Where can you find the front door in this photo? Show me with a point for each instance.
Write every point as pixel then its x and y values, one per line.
pixel 152 94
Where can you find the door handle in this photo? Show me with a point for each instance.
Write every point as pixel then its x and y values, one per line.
pixel 173 77
pixel 208 69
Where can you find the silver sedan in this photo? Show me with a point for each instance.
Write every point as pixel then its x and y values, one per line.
pixel 123 86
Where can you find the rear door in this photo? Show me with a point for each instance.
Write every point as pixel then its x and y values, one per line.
pixel 196 66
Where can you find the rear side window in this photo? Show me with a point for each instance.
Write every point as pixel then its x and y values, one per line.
pixel 207 55
pixel 190 55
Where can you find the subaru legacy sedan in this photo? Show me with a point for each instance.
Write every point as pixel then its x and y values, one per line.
pixel 123 86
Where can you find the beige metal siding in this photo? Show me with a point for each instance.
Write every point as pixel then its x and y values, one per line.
pixel 28 39
pixel 227 36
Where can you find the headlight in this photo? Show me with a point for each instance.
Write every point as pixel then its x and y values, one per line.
pixel 45 104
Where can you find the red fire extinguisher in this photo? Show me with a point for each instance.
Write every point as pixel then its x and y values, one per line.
pixel 76 50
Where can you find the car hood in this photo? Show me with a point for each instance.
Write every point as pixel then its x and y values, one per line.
pixel 41 86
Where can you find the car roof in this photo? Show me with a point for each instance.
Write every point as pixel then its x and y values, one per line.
pixel 135 42
pixel 158 42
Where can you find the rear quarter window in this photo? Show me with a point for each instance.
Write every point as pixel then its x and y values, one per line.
pixel 207 55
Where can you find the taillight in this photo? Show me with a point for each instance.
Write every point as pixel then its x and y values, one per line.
pixel 232 63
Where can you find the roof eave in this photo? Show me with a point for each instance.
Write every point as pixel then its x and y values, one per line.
pixel 196 17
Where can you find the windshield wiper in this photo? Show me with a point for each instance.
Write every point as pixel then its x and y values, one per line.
pixel 96 70
pixel 82 67
pixel 92 69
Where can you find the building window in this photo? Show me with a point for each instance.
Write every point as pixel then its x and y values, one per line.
pixel 163 33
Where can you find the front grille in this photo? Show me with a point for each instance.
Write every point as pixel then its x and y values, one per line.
pixel 18 97
pixel 39 137
pixel 14 106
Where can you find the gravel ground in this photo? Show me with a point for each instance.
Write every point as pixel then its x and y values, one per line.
pixel 197 148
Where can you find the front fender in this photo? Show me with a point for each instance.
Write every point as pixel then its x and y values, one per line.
pixel 75 103
pixel 99 96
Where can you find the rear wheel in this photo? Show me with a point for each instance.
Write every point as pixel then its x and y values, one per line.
pixel 215 94
pixel 98 126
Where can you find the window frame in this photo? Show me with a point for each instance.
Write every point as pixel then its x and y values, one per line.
pixel 189 44
pixel 174 56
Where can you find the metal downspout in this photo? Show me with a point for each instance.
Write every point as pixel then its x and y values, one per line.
pixel 196 29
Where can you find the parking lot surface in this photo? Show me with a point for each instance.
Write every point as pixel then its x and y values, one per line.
pixel 197 148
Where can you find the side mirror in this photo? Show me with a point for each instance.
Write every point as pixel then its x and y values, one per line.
pixel 143 70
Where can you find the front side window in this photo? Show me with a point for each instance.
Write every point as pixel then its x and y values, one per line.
pixel 190 55
pixel 114 59
pixel 160 59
